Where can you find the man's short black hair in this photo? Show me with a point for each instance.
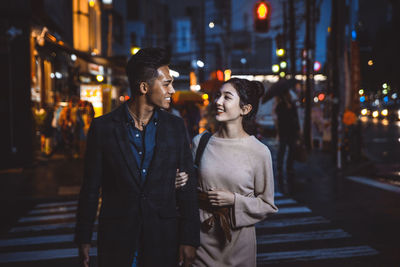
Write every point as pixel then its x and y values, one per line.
pixel 142 67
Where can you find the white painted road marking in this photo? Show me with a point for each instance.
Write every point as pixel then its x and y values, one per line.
pixel 56 204
pixel 42 255
pixel 291 222
pixel 374 183
pixel 47 218
pixel 292 210
pixel 52 210
pixel 37 240
pixel 303 236
pixel 285 201
pixel 44 227
pixel 316 254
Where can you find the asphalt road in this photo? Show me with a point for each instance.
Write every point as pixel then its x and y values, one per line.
pixel 329 220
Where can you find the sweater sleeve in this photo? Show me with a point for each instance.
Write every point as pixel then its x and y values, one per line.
pixel 251 209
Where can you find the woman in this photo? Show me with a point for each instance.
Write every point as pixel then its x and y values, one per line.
pixel 235 180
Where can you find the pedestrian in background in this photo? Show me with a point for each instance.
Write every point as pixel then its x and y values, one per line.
pixel 55 124
pixel 288 133
pixel 235 180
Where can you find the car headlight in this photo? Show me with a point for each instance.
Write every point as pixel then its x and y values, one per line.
pixel 384 112
pixel 375 114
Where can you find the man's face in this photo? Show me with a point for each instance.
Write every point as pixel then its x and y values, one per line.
pixel 160 93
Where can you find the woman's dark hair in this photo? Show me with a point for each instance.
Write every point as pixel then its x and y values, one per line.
pixel 249 92
pixel 142 67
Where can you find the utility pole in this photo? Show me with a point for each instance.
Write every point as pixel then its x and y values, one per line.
pixel 309 45
pixel 336 45
pixel 109 34
pixel 202 40
pixel 285 26
pixel 292 38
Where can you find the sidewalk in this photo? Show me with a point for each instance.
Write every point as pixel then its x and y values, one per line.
pixel 48 179
pixel 369 213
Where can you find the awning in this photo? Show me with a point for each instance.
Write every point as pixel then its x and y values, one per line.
pixel 211 86
pixel 181 97
pixel 107 62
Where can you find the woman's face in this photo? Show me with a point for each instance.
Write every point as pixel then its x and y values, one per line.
pixel 227 104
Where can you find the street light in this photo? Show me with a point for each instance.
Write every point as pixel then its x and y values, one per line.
pixel 174 73
pixel 211 25
pixel 280 52
pixel 384 86
pixel 283 64
pixel 200 63
pixel 134 50
pixel 361 92
pixel 275 68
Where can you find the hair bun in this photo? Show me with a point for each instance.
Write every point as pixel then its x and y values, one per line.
pixel 258 87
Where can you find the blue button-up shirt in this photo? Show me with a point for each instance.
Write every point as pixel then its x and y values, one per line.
pixel 142 143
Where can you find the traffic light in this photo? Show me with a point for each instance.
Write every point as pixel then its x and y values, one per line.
pixel 262 13
pixel 281 54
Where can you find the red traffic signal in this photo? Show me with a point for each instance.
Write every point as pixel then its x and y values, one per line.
pixel 262 11
pixel 261 16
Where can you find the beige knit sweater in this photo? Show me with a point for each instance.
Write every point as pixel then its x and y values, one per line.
pixel 244 167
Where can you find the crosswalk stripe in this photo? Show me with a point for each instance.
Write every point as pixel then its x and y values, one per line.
pixel 291 210
pixel 285 201
pixel 56 204
pixel 37 240
pixel 374 183
pixel 291 222
pixel 303 236
pixel 51 210
pixel 43 227
pixel 316 254
pixel 42 255
pixel 47 218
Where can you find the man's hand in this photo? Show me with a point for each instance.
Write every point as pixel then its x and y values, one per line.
pixel 187 255
pixel 84 255
pixel 220 198
pixel 181 179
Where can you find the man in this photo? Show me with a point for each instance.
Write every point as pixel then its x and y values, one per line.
pixel 288 132
pixel 133 154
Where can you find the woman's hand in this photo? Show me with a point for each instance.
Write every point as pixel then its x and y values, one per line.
pixel 181 179
pixel 219 198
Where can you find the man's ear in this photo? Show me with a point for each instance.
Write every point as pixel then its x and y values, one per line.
pixel 143 88
pixel 246 109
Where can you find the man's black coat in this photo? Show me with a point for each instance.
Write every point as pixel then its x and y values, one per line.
pixel 154 214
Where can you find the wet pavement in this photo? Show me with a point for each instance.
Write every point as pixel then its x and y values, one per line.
pixel 328 219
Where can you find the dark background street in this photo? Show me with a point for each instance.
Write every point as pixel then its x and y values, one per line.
pixel 328 221
pixel 63 64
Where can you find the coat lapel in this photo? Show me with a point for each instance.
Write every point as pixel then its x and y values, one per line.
pixel 121 134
